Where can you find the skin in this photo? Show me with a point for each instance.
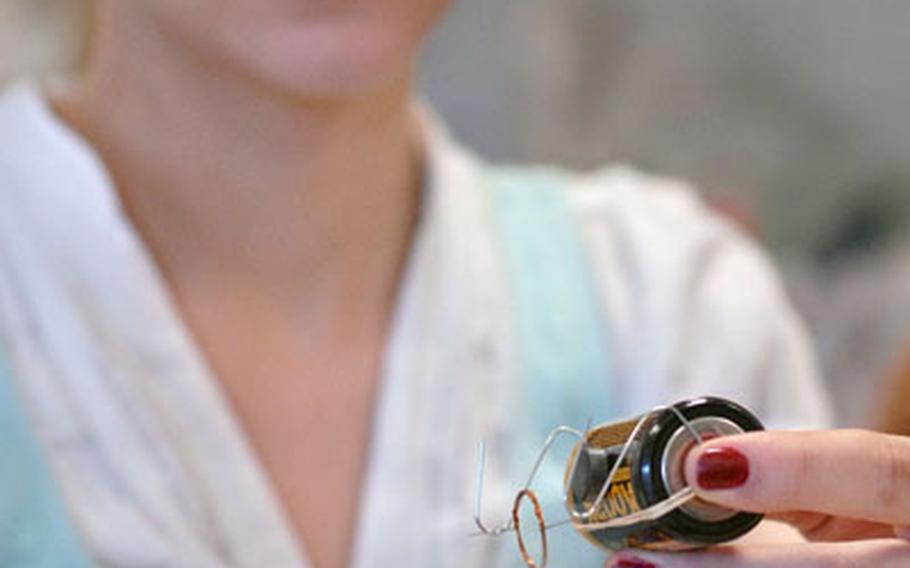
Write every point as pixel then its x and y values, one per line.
pixel 847 492
pixel 265 152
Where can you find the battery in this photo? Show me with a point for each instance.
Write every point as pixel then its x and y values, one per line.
pixel 650 472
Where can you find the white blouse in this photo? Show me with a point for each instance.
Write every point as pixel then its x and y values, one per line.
pixel 153 465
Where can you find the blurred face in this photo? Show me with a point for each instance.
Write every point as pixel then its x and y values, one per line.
pixel 314 47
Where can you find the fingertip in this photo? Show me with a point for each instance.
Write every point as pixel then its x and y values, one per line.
pixel 695 455
pixel 690 466
pixel 721 468
pixel 629 560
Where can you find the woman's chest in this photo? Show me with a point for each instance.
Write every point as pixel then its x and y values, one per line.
pixel 305 401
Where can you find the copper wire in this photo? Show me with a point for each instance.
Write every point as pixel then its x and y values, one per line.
pixel 538 512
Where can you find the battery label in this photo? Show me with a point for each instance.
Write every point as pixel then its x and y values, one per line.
pixel 620 499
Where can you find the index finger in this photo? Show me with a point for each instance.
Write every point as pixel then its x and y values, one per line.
pixel 847 473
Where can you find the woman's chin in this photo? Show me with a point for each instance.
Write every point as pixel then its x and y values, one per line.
pixel 327 64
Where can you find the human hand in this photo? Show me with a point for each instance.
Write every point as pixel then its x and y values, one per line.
pixel 847 491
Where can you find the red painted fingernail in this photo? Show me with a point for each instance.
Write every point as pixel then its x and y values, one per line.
pixel 721 468
pixel 631 562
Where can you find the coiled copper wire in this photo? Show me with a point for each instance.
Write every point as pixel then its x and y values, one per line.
pixel 538 512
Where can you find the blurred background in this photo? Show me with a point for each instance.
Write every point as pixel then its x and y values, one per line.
pixel 790 116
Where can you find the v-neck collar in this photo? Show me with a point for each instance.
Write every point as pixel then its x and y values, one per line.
pixel 248 523
pixel 448 277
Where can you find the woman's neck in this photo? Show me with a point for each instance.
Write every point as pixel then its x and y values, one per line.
pixel 227 179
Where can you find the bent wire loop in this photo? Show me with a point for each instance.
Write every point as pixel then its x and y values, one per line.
pixel 538 512
pixel 581 519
